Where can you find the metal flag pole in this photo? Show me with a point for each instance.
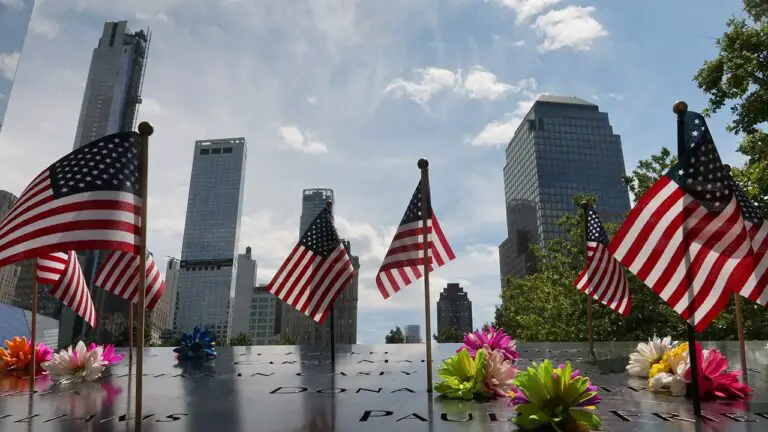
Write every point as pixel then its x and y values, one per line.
pixel 740 322
pixel 590 324
pixel 145 130
pixel 680 108
pixel 426 213
pixel 329 205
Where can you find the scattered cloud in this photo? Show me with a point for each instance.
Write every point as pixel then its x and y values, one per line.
pixel 8 64
pixel 293 139
pixel 571 27
pixel 431 80
pixel 43 26
pixel 15 4
pixel 616 96
pixel 498 132
pixel 518 43
pixel 525 9
pixel 481 84
pixel 158 16
pixel 312 100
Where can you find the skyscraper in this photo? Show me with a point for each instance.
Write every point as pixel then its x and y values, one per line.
pixel 244 283
pixel 454 309
pixel 8 274
pixel 211 235
pixel 295 326
pixel 167 304
pixel 14 23
pixel 110 104
pixel 265 318
pixel 563 146
pixel 412 333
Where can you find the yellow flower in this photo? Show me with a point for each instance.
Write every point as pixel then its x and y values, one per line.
pixel 17 355
pixel 669 361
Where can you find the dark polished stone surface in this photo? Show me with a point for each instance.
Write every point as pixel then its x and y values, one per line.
pixel 371 388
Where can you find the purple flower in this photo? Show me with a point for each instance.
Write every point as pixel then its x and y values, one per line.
pixel 492 340
pixel 518 397
pixel 592 401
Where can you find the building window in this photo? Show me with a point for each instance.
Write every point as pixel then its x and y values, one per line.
pixel 216 151
pixel 204 152
pixel 227 150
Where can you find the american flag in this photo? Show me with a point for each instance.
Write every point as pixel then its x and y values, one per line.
pixel 62 271
pixel 89 199
pixel 120 275
pixel 686 236
pixel 603 278
pixel 755 287
pixel 405 258
pixel 316 270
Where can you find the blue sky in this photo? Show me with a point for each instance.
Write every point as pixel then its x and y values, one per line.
pixel 349 94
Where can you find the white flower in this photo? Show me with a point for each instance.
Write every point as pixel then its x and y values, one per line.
pixel 667 381
pixel 647 354
pixel 76 365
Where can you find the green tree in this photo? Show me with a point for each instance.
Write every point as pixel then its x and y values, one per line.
pixel 448 335
pixel 648 171
pixel 122 338
pixel 288 340
pixel 738 78
pixel 395 336
pixel 242 339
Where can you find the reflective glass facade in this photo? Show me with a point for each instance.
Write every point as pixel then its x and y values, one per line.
pixel 14 23
pixel 208 264
pixel 563 146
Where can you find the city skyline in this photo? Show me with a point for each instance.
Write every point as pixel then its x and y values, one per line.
pixel 360 135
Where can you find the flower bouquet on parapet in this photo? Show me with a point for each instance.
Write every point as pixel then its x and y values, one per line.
pixel 557 399
pixel 482 369
pixel 80 363
pixel 198 346
pixel 16 357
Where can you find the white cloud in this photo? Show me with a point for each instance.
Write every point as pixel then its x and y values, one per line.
pixel 431 81
pixel 158 16
pixel 616 96
pixel 519 43
pixel 525 9
pixel 15 4
pixel 8 64
pixel 481 84
pixel 292 139
pixel 150 106
pixel 312 100
pixel 571 27
pixel 43 26
pixel 498 132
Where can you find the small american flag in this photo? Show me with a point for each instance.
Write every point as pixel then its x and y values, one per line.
pixel 120 275
pixel 686 238
pixel 316 270
pixel 89 199
pixel 603 278
pixel 755 287
pixel 405 257
pixel 62 271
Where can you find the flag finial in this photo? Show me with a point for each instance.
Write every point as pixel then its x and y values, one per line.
pixel 146 129
pixel 679 107
pixel 423 163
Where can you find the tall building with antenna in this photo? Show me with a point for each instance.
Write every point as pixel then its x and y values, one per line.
pixel 110 104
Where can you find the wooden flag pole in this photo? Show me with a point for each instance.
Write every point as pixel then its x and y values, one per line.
pixel 680 108
pixel 590 324
pixel 33 332
pixel 130 333
pixel 145 130
pixel 740 330
pixel 426 210
pixel 329 205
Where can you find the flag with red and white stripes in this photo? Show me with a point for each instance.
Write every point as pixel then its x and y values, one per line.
pixel 756 288
pixel 62 271
pixel 686 237
pixel 89 199
pixel 120 275
pixel 603 278
pixel 316 271
pixel 404 260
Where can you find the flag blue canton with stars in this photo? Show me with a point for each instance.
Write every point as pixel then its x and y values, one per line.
pixel 112 163
pixel 595 231
pixel 321 237
pixel 413 212
pixel 700 171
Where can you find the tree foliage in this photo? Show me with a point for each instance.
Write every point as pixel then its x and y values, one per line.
pixel 395 336
pixel 242 339
pixel 648 171
pixel 448 335
pixel 738 78
pixel 288 340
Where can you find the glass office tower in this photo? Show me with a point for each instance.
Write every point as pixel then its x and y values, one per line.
pixel 563 146
pixel 14 23
pixel 208 264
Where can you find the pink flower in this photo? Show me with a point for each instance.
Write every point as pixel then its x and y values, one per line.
pixel 108 354
pixel 43 353
pixel 714 380
pixel 499 373
pixel 492 340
